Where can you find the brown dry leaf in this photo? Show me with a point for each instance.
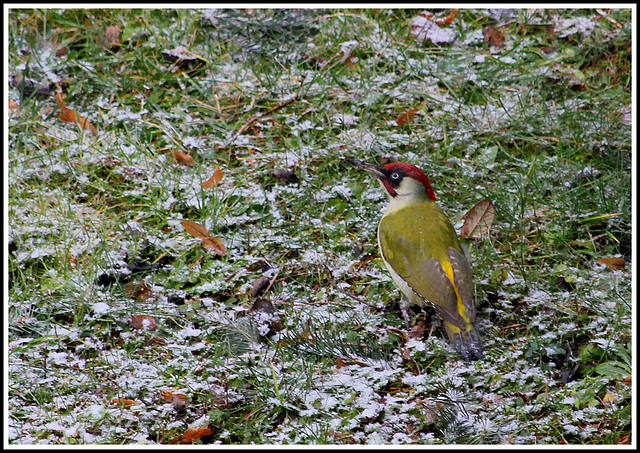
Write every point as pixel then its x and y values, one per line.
pixel 493 36
pixel 31 87
pixel 167 395
pixel 138 290
pixel 259 285
pixel 214 180
pixel 418 330
pixel 426 27
pixel 342 363
pixel 614 264
pixel 184 59
pixel 13 105
pixel 452 15
pixel 609 398
pixel 195 229
pixel 286 176
pixel 183 158
pixel 179 401
pixel 262 305
pixel 192 434
pixel 308 336
pixel 625 381
pixel 407 118
pixel 478 220
pixel 125 402
pixel 143 322
pixel 215 245
pixel 265 317
pixel 111 38
pixel 69 116
pixel 210 243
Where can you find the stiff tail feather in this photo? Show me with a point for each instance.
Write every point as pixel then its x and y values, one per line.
pixel 466 341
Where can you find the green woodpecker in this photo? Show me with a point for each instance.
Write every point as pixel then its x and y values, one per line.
pixel 421 250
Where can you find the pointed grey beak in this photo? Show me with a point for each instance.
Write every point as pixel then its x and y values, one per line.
pixel 373 169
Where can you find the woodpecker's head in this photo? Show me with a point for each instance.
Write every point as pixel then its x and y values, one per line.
pixel 399 178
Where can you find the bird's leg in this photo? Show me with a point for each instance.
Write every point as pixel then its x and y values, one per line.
pixel 404 309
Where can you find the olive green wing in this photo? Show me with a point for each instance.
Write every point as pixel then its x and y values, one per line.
pixel 463 279
pixel 415 247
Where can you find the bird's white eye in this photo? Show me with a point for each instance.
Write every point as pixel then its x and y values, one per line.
pixel 395 176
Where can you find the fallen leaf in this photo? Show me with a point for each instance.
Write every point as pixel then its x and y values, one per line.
pixel 493 36
pixel 167 395
pixel 143 322
pixel 30 87
pixel 192 434
pixel 265 317
pixel 195 229
pixel 452 15
pixel 426 29
pixel 183 158
pixel 179 402
pixel 13 106
pixel 215 245
pixel 308 336
pixel 609 398
pixel 614 264
pixel 340 363
pixel 478 220
pixel 626 381
pixel 210 243
pixel 111 38
pixel 407 118
pixel 418 330
pixel 139 290
pixel 259 285
pixel 214 180
pixel 184 59
pixel 286 176
pixel 69 116
pixel 125 402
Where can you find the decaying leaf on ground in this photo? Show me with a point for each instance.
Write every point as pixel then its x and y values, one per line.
pixel 125 402
pixel 184 59
pixel 139 290
pixel 69 116
pixel 201 232
pixel 478 221
pixel 214 180
pixel 190 435
pixel 286 176
pixel 143 322
pixel 111 38
pixel 614 264
pixel 265 317
pixel 183 158
pixel 407 117
pixel 493 36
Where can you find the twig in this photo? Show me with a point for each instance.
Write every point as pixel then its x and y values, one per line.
pixel 273 279
pixel 268 112
pixel 346 293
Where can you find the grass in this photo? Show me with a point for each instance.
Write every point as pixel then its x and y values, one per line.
pixel 95 235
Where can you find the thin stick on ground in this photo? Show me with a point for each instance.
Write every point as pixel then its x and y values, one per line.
pixel 268 112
